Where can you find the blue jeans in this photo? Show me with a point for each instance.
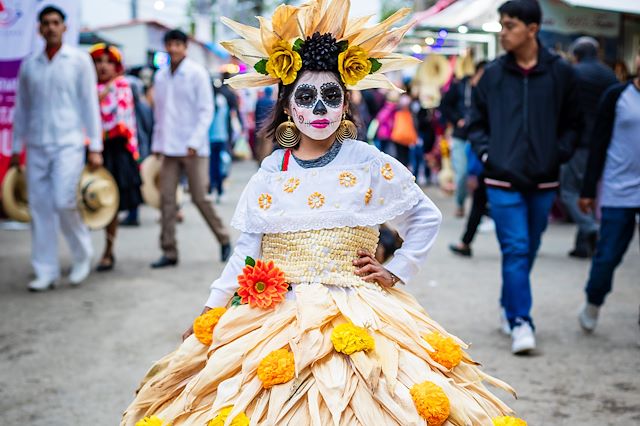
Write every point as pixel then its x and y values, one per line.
pixel 616 231
pixel 215 167
pixel 459 163
pixel 520 220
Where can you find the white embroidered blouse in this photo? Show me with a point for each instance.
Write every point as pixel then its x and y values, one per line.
pixel 361 186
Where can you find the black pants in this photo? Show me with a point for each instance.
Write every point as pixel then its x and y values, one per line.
pixel 478 209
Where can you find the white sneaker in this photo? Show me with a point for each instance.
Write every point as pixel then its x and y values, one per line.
pixel 505 328
pixel 522 339
pixel 588 317
pixel 80 271
pixel 41 284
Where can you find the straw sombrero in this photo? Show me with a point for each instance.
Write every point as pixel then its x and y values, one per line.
pixel 150 174
pixel 14 195
pixel 98 197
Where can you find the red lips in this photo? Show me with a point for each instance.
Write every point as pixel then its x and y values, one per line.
pixel 320 124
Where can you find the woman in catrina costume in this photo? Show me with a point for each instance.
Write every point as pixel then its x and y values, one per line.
pixel 304 326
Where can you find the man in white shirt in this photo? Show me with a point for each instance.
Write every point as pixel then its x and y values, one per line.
pixel 183 111
pixel 56 109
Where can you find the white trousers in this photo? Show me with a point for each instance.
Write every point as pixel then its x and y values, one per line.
pixel 53 174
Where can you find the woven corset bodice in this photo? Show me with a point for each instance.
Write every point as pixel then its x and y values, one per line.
pixel 321 256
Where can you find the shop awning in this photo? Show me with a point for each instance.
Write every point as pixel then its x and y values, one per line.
pixel 462 12
pixel 626 6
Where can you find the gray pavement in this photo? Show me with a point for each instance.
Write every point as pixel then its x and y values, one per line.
pixel 74 356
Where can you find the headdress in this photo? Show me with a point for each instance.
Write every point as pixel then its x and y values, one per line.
pixel 113 52
pixel 318 36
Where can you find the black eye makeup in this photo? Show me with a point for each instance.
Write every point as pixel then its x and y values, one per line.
pixel 306 96
pixel 331 94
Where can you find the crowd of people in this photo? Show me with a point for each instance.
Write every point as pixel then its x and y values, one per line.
pixel 518 131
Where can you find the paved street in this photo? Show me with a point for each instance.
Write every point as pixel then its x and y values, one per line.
pixel 74 356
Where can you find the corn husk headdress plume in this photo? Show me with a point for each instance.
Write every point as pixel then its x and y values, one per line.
pixel 318 36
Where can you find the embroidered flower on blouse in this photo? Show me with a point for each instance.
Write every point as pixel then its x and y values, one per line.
pixel 347 179
pixel 265 201
pixel 315 200
pixel 291 185
pixel 368 196
pixel 387 171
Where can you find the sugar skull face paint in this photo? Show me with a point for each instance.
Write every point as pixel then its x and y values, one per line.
pixel 317 104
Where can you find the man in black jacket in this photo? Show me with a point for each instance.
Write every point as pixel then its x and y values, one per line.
pixel 524 124
pixel 593 79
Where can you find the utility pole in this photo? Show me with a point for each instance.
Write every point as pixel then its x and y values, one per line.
pixel 134 9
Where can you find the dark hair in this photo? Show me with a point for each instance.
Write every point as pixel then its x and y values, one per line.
pixel 480 65
pixel 528 11
pixel 49 10
pixel 175 35
pixel 277 115
pixel 584 48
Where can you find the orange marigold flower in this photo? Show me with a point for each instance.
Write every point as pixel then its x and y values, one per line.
pixel 431 402
pixel 262 285
pixel 276 368
pixel 508 421
pixel 446 351
pixel 203 325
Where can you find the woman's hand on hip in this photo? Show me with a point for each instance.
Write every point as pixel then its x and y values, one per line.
pixel 370 270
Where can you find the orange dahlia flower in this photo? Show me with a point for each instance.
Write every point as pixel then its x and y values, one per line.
pixel 262 285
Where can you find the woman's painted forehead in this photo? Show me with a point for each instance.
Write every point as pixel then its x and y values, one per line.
pixel 317 79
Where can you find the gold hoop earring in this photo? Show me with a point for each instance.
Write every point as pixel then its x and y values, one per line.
pixel 287 134
pixel 347 130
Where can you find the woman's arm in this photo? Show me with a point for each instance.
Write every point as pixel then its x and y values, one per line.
pixel 418 227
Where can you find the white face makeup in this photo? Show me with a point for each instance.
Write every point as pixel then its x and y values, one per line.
pixel 317 104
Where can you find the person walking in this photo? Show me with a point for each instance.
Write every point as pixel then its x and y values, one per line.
pixel 524 124
pixel 614 155
pixel 473 168
pixel 218 137
pixel 120 138
pixel 183 111
pixel 56 109
pixel 455 107
pixel 264 105
pixel 593 79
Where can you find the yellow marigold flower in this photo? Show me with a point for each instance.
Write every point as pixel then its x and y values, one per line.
pixel 291 185
pixel 264 201
pixel 150 421
pixel 284 63
pixel 347 179
pixel 353 65
pixel 276 368
pixel 508 421
pixel 446 352
pixel 240 420
pixel 367 196
pixel 387 171
pixel 431 402
pixel 348 338
pixel 204 324
pixel 315 200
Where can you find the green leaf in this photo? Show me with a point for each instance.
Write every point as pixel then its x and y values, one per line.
pixel 343 45
pixel 297 45
pixel 375 65
pixel 236 300
pixel 249 261
pixel 261 67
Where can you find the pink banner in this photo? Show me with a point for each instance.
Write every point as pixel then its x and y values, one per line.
pixel 8 85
